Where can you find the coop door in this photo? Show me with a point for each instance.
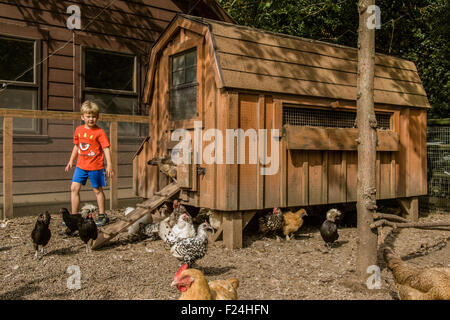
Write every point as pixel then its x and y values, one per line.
pixel 184 171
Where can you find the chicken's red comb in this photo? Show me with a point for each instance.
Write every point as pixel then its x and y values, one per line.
pixel 180 270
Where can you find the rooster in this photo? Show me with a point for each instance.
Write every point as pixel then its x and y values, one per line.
pixel 181 230
pixel 415 283
pixel 193 286
pixel 190 250
pixel 328 229
pixel 88 231
pixel 271 223
pixel 292 221
pixel 41 233
pixel 70 220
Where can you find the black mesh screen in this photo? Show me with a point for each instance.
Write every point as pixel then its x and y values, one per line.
pixel 328 118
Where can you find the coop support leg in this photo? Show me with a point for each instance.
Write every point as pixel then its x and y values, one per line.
pixel 232 230
pixel 411 207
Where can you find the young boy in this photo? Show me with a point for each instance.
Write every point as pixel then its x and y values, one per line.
pixel 90 142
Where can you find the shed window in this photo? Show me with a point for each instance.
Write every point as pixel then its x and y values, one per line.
pixel 328 118
pixel 110 80
pixel 183 86
pixel 19 81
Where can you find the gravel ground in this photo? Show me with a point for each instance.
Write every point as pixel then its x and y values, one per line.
pixel 128 268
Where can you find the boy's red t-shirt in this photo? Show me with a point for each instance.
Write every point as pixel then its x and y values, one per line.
pixel 91 143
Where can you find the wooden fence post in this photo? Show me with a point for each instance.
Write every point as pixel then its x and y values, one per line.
pixel 113 192
pixel 7 168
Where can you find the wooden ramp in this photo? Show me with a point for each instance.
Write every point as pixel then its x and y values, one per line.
pixel 110 231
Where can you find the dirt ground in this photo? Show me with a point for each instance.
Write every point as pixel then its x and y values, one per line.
pixel 130 269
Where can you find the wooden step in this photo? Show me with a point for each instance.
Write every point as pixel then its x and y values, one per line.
pixel 108 232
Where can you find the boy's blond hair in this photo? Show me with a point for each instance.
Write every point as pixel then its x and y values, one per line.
pixel 90 107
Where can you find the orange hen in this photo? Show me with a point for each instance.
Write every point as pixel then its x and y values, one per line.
pixel 292 222
pixel 193 286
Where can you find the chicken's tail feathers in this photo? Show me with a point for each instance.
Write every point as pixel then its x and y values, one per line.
pixel 234 282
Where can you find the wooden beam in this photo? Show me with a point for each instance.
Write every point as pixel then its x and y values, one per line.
pixel 109 231
pixel 411 206
pixel 217 235
pixel 232 230
pixel 247 216
pixel 7 168
pixel 65 115
pixel 113 190
pixel 339 139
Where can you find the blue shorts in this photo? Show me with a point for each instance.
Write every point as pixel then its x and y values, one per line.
pixel 97 177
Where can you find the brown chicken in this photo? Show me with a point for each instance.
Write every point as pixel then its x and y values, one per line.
pixel 415 283
pixel 193 286
pixel 292 221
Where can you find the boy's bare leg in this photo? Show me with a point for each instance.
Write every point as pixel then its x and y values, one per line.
pixel 75 196
pixel 100 199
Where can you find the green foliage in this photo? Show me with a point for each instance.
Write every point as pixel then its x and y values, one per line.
pixel 415 30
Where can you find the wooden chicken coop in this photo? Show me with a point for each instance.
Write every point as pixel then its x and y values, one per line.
pixel 231 77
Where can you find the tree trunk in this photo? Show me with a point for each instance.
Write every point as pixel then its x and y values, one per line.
pixel 367 138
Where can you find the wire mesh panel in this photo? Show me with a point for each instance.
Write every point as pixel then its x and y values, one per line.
pixel 328 118
pixel 438 157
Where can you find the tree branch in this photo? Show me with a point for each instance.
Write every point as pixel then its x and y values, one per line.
pixel 388 216
pixel 419 225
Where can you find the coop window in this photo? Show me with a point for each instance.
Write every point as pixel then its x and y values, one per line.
pixel 19 80
pixel 110 79
pixel 183 86
pixel 328 118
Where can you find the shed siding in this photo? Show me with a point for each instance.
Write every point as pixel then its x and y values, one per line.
pixel 123 26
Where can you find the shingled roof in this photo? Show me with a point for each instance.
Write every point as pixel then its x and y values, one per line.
pixel 253 59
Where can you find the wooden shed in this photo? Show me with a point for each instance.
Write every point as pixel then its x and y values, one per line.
pixel 229 77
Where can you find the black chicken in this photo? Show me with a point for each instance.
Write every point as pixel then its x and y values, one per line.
pixel 71 220
pixel 328 230
pixel 271 223
pixel 88 232
pixel 41 233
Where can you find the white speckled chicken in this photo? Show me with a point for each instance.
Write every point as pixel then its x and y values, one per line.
pixel 151 230
pixel 190 250
pixel 181 230
pixel 178 209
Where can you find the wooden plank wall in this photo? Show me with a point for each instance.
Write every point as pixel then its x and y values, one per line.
pixel 311 177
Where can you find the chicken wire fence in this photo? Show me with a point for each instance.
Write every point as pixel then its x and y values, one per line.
pixel 438 158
